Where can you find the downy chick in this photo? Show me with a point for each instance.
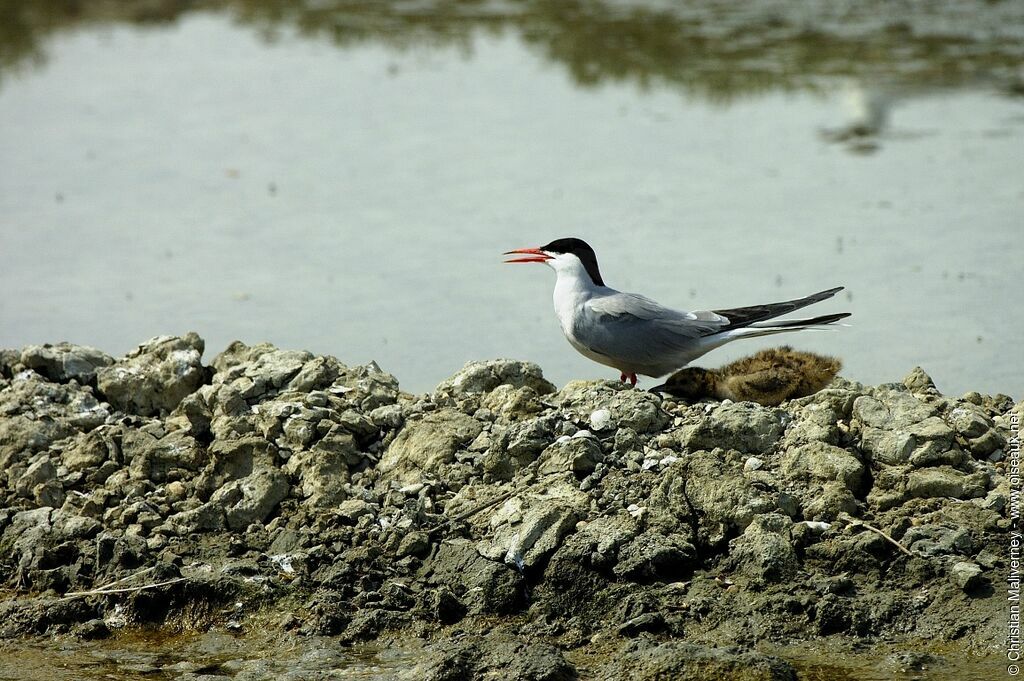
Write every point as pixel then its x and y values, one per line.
pixel 768 377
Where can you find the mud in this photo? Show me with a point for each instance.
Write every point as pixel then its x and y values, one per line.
pixel 497 523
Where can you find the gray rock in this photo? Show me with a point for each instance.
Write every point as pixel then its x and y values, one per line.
pixel 323 471
pixel 491 657
pixel 491 587
pixel 765 552
pixel 579 455
pixel 414 544
pixel 207 517
pixel 92 449
pixel 155 377
pixel 72 527
pixel 724 499
pixel 511 402
pixel 233 459
pixel 887 446
pixel 890 409
pixel 834 499
pixel 938 540
pixel 969 421
pixel 388 416
pixel 156 458
pixel 541 532
pixel 944 481
pixel 652 555
pixel 64 361
pixel 354 509
pixel 897 428
pixel 427 443
pixel 628 408
pixel 966 575
pixel 21 435
pixel 252 498
pixel 40 470
pixel 823 462
pixel 919 382
pixel 744 427
pixel 484 377
pixel 49 493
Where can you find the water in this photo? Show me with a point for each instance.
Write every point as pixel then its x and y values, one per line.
pixel 214 654
pixel 344 181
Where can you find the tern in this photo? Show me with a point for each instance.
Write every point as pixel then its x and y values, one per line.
pixel 636 335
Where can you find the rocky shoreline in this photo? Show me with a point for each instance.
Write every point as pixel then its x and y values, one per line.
pixel 519 531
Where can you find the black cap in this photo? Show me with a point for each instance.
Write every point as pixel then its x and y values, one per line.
pixel 582 250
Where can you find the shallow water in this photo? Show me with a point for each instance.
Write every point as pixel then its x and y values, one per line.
pixel 186 657
pixel 344 180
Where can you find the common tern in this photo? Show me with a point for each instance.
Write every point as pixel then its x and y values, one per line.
pixel 767 377
pixel 635 334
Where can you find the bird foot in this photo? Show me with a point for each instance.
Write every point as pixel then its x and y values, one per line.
pixel 632 379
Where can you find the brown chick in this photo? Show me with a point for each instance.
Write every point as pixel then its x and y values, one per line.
pixel 768 377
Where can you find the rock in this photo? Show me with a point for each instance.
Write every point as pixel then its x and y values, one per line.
pixel 764 552
pixel 744 426
pixel 945 482
pixel 938 540
pixel 388 416
pixel 157 456
pixel 972 424
pixel 252 498
pixel 483 377
pixel 825 463
pixel 155 377
pixel 353 509
pixel 886 446
pixel 63 362
pixel 636 409
pixel 834 499
pixel 580 455
pixel 491 586
pixel 511 402
pixel 493 508
pixel 919 382
pixel 818 420
pixel 49 493
pixel 414 544
pixel 601 419
pixel 40 471
pixel 897 428
pixel 721 496
pixel 966 575
pixel 654 556
pixel 323 471
pixel 541 532
pixel 92 449
pixel 427 443
pixel 491 657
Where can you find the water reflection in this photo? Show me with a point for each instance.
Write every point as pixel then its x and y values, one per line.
pixel 203 165
pixel 719 50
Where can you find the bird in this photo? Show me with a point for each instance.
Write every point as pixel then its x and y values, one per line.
pixel 636 335
pixel 768 377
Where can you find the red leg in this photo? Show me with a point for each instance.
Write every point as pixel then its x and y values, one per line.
pixel 622 377
pixel 632 380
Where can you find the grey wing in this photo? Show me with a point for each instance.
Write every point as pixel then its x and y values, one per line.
pixel 639 331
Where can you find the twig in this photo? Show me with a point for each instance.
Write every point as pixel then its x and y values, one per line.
pixel 127 589
pixel 883 535
pixel 473 511
pixel 129 577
